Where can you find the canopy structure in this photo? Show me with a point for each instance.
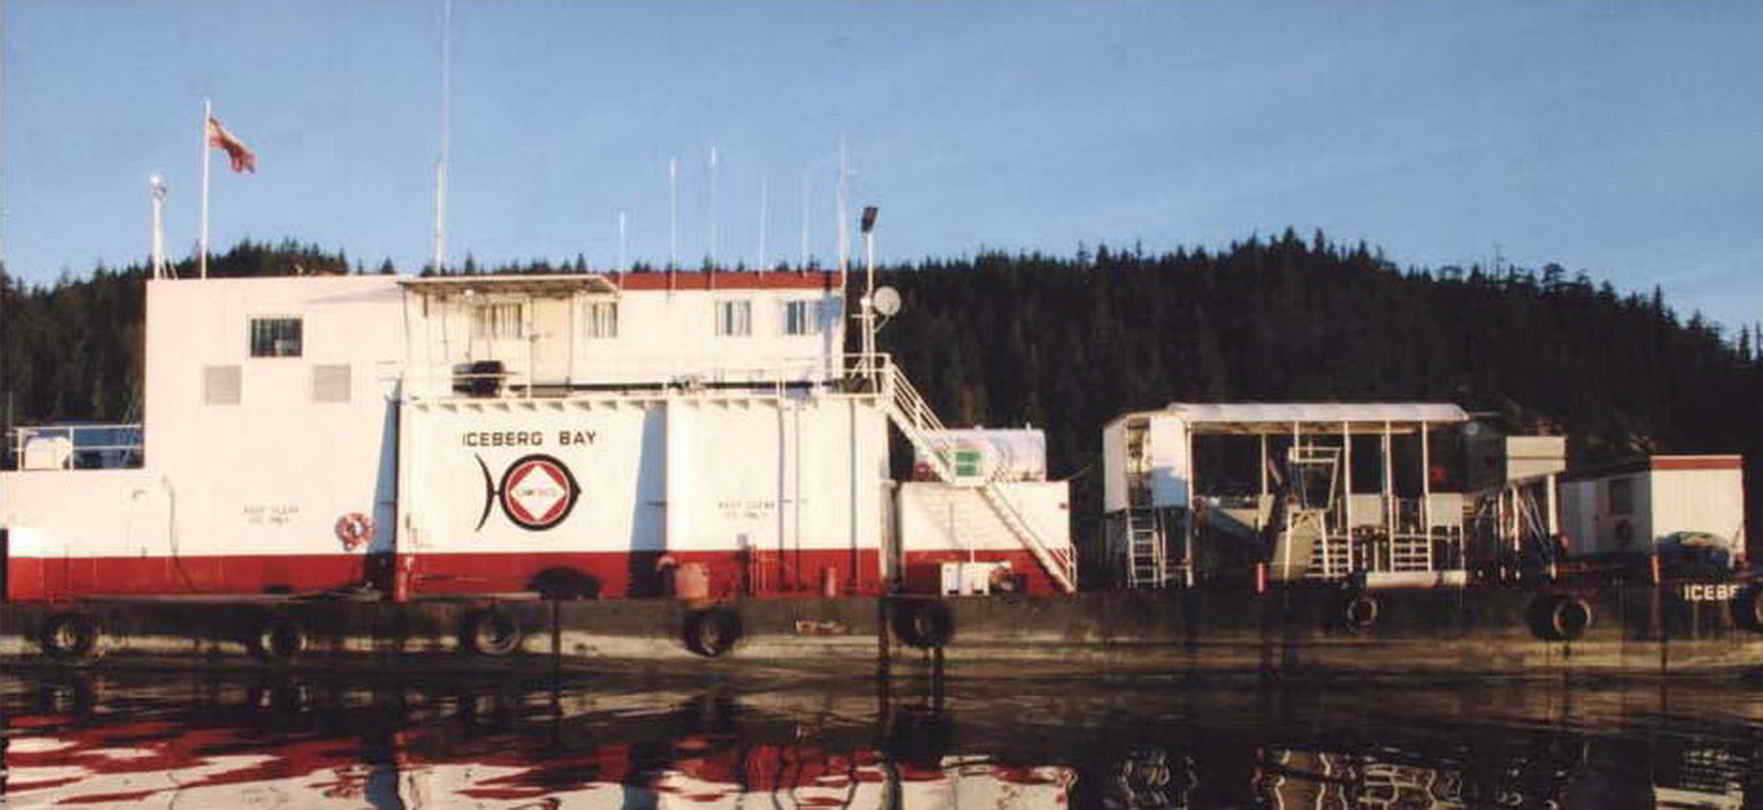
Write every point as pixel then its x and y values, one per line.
pixel 545 286
pixel 1272 418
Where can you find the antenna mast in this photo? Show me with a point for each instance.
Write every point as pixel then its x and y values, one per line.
pixel 844 228
pixel 715 248
pixel 673 213
pixel 446 136
pixel 805 173
pixel 621 242
pixel 764 212
pixel 156 186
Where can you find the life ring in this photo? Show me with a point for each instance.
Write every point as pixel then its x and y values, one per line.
pixel 279 638
pixel 491 632
pixel 354 529
pixel 1360 612
pixel 923 623
pixel 69 636
pixel 711 633
pixel 1560 618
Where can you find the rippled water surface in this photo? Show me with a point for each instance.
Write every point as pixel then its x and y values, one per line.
pixel 185 740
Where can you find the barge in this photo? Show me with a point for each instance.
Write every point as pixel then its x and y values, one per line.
pixel 564 471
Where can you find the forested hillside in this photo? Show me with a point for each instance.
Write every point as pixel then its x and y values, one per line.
pixel 1067 343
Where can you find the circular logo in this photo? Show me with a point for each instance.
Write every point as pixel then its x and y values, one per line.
pixel 538 491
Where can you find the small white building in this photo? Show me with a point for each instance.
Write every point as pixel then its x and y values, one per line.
pixel 1637 506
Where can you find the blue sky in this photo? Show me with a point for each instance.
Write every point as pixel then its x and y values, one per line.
pixel 1622 139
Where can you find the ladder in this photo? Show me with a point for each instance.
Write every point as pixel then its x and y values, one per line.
pixel 913 416
pixel 1147 564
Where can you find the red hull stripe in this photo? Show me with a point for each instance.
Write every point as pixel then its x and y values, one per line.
pixel 602 575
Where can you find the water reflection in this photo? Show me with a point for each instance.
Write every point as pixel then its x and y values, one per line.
pixel 193 740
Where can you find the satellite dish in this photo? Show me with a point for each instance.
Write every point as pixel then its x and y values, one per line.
pixel 886 301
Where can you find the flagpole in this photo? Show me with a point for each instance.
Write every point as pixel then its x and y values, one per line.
pixel 207 114
pixel 446 137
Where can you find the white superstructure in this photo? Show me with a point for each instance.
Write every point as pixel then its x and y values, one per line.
pixel 578 435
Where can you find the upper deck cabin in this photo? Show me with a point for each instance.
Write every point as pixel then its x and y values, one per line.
pixel 556 335
pixel 304 348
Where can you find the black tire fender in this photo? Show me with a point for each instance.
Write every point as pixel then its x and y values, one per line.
pixel 1360 611
pixel 69 636
pixel 923 623
pixel 490 632
pixel 712 632
pixel 279 638
pixel 1560 617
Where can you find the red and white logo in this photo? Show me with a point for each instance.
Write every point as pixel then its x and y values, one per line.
pixel 538 492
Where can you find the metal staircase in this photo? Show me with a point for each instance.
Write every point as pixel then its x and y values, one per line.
pixel 913 416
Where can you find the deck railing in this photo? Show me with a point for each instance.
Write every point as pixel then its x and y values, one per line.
pixel 75 447
pixel 490 379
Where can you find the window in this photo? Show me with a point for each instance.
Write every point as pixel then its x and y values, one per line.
pixel 498 322
pixel 734 318
pixel 220 385
pixel 275 337
pixel 330 383
pixel 1622 496
pixel 799 318
pixel 967 463
pixel 601 320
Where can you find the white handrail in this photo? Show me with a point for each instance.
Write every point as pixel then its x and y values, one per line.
pixel 915 418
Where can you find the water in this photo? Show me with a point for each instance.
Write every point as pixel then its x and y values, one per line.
pixel 188 740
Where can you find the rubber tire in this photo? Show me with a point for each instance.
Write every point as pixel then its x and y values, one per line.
pixel 1360 612
pixel 711 633
pixel 1560 618
pixel 491 633
pixel 279 638
pixel 69 636
pixel 923 623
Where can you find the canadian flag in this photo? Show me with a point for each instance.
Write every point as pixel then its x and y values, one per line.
pixel 242 158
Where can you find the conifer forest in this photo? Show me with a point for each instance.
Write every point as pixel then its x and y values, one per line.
pixel 1066 343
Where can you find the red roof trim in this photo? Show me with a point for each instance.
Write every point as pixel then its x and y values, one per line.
pixel 1652 463
pixel 729 280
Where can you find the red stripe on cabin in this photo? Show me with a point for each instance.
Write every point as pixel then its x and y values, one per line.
pixel 1697 462
pixel 730 280
pixel 1649 463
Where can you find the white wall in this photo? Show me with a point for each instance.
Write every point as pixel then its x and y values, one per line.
pixel 935 516
pixel 683 473
pixel 1710 501
pixel 662 336
pixel 272 474
pixel 1114 465
pixel 1169 462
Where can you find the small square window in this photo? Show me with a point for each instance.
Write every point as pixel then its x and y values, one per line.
pixel 800 318
pixel 498 321
pixel 275 337
pixel 967 463
pixel 1621 496
pixel 220 385
pixel 734 318
pixel 601 320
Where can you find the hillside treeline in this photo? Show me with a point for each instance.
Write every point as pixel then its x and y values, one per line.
pixel 1067 343
pixel 1070 343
